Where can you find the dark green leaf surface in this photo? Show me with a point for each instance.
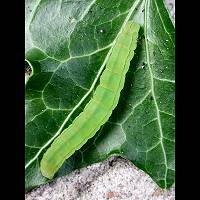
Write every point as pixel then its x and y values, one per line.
pixel 67 45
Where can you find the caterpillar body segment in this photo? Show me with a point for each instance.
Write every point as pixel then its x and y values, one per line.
pixel 99 108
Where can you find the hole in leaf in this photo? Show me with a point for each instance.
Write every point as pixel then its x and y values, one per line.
pixel 101 31
pixel 143 65
pixel 28 69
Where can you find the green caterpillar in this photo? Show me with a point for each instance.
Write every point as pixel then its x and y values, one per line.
pixel 99 108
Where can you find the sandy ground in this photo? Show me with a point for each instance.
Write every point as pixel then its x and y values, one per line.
pixel 115 179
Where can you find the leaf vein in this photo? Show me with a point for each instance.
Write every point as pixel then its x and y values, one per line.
pixel 152 89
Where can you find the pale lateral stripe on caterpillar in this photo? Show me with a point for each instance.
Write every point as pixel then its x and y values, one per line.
pixel 99 108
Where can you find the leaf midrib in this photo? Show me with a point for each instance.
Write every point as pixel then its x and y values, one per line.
pixel 152 87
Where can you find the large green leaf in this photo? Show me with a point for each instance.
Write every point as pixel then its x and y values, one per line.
pixel 67 45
